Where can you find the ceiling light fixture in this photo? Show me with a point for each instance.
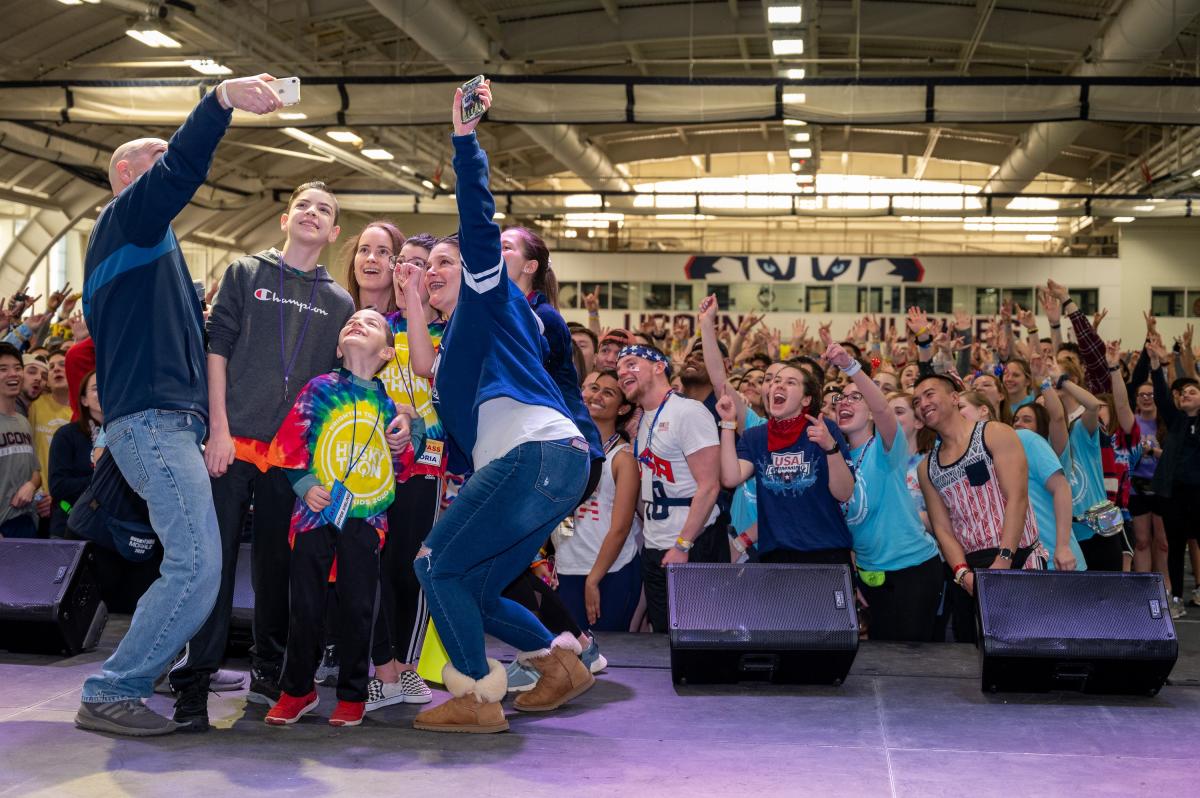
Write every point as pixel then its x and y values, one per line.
pixel 802 137
pixel 785 15
pixel 345 137
pixel 787 47
pixel 151 34
pixel 794 98
pixel 1144 208
pixel 800 152
pixel 291 115
pixel 1124 219
pixel 794 123
pixel 377 154
pixel 208 67
pixel 795 74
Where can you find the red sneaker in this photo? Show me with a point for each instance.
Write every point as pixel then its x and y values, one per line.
pixel 289 708
pixel 348 713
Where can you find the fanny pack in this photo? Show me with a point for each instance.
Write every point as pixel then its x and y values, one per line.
pixel 1104 518
pixel 1143 486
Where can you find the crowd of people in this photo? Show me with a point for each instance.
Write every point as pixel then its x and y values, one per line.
pixel 428 438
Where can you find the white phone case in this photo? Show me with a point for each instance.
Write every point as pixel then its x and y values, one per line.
pixel 288 90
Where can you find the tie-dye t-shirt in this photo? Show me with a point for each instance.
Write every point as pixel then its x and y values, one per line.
pixel 335 431
pixel 406 388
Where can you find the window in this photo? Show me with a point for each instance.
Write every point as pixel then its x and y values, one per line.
pixel 1193 303
pixel 987 301
pixel 569 296
pixel 683 297
pixel 1020 296
pixel 657 296
pixel 818 299
pixel 1086 299
pixel 929 299
pixel 623 296
pixel 721 292
pixel 1167 302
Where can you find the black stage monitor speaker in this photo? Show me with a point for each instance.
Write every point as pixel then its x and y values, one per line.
pixel 49 599
pixel 1075 630
pixel 793 624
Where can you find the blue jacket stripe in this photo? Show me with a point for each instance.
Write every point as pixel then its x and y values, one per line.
pixel 484 281
pixel 128 257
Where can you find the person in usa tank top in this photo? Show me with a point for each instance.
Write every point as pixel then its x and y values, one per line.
pixel 975 483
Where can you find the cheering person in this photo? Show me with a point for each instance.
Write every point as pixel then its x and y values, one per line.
pixel 506 420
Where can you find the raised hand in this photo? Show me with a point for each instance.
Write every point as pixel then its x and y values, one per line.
pixel 707 315
pixel 799 331
pixel 1058 290
pixel 484 93
pixel 591 302
pixel 79 328
pixel 961 320
pixel 1099 317
pixel 1112 353
pixel 252 95
pixel 1188 332
pixel 1025 317
pixel 836 355
pixel 818 433
pixel 918 321
pixel 1052 305
pixel 727 408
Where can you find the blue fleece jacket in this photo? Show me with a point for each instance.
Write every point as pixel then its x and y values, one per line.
pixel 561 366
pixel 138 298
pixel 493 345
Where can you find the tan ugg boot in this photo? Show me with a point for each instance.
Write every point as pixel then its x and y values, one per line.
pixel 475 707
pixel 564 675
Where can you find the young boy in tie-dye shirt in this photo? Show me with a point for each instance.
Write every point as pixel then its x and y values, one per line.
pixel 343 444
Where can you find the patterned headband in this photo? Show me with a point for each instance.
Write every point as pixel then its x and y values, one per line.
pixel 638 350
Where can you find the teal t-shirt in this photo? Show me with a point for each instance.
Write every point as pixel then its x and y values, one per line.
pixel 883 520
pixel 1043 464
pixel 1085 472
pixel 1015 406
pixel 743 513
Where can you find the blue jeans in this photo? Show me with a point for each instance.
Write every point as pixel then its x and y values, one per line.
pixel 619 594
pixel 158 452
pixel 492 531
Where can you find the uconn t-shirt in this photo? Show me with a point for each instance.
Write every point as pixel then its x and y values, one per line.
pixel 683 427
pixel 796 511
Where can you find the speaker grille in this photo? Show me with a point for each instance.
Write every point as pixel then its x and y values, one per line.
pixel 783 607
pixel 1075 615
pixel 35 576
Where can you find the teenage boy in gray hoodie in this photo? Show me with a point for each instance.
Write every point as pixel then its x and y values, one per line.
pixel 274 326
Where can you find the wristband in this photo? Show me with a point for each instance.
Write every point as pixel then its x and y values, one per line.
pixel 731 425
pixel 852 369
pixel 593 313
pixel 1032 331
pixel 1062 379
pixel 960 573
pixel 223 96
pixel 922 331
pixel 1057 326
pixel 1046 384
pixel 683 544
pixel 1112 369
pixel 833 451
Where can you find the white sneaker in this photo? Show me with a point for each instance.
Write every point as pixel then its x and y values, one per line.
pixel 411 689
pixel 1177 609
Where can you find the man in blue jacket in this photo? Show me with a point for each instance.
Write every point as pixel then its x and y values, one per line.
pixel 145 318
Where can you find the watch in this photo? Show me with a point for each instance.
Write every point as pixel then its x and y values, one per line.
pixel 727 425
pixel 833 450
pixel 1005 554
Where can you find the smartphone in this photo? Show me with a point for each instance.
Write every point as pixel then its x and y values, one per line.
pixel 472 108
pixel 288 90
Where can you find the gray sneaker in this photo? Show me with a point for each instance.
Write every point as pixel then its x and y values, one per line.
pixel 129 717
pixel 521 677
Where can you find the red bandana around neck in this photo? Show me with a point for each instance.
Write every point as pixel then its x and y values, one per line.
pixel 783 434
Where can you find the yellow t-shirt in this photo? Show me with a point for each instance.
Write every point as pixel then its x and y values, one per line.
pixel 46 415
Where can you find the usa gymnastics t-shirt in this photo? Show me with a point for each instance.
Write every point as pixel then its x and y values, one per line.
pixel 796 511
pixel 682 427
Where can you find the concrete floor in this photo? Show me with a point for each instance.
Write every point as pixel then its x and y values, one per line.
pixel 909 721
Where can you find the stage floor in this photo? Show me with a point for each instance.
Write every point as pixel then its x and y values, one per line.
pixel 910 720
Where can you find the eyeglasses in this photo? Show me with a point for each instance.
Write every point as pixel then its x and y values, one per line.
pixel 395 261
pixel 847 398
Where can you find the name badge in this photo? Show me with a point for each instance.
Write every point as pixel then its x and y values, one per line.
pixel 340 502
pixel 432 456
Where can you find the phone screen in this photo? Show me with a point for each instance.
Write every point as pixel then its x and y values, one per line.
pixel 472 108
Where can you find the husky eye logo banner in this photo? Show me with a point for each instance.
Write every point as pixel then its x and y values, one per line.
pixel 815 268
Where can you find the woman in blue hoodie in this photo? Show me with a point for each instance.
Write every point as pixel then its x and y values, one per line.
pixel 507 422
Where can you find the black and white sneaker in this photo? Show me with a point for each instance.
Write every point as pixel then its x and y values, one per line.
pixel 264 688
pixel 191 707
pixel 327 671
pixel 411 689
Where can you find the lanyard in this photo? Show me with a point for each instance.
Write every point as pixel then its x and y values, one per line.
pixel 645 457
pixel 285 362
pixel 406 376
pixel 354 432
pixel 611 442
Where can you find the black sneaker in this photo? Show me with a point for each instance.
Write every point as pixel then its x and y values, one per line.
pixel 327 671
pixel 264 687
pixel 191 707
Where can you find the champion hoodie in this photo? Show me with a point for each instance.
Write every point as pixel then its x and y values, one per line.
pixel 258 323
